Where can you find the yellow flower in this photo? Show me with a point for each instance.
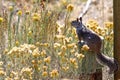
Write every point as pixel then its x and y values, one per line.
pixel 59 37
pixel 36 17
pixel 26 71
pixel 61 53
pixel 92 24
pixel 45 68
pixel 65 68
pixel 54 73
pixel 40 61
pixel 43 53
pixel 10 8
pixel 49 13
pixel 45 73
pixel 2 73
pixel 13 74
pixel 6 51
pixel 112 34
pixel 1 63
pixel 37 44
pixel 74 31
pixel 64 59
pixel 36 52
pixel 8 78
pixel 72 60
pixel 1 19
pixel 30 33
pixel 64 2
pixel 71 45
pixel 99 30
pixel 27 12
pixel 85 48
pixel 47 60
pixel 108 38
pixel 79 56
pixel 109 25
pixel 63 48
pixel 17 43
pixel 70 7
pixel 33 62
pixel 72 51
pixel 56 45
pixel 19 13
pixel 45 44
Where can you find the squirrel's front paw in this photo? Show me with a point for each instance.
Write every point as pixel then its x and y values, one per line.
pixel 81 43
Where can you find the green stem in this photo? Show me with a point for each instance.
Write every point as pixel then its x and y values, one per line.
pixel 9 31
pixel 17 27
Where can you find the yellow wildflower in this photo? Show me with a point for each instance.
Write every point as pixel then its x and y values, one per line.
pixel 47 60
pixel 64 2
pixel 61 53
pixel 40 61
pixel 34 62
pixel 37 44
pixel 59 37
pixel 85 48
pixel 76 65
pixel 1 63
pixel 43 53
pixel 112 34
pixel 2 73
pixel 99 30
pixel 36 52
pixel 45 68
pixel 71 45
pixel 49 13
pixel 45 73
pixel 8 78
pixel 108 38
pixel 92 24
pixel 13 74
pixel 17 43
pixel 63 48
pixel 109 25
pixel 72 51
pixel 64 59
pixel 26 71
pixel 27 12
pixel 45 44
pixel 56 45
pixel 5 51
pixel 1 19
pixel 10 8
pixel 70 7
pixel 19 13
pixel 54 73
pixel 65 68
pixel 30 33
pixel 79 56
pixel 36 17
pixel 74 31
pixel 72 60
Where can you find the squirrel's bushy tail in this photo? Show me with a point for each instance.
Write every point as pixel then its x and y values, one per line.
pixel 110 62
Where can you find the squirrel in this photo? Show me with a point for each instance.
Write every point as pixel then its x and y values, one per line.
pixel 95 43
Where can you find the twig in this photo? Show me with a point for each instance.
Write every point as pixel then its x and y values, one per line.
pixel 85 10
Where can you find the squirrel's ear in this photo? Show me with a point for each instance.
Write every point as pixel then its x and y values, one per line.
pixel 77 19
pixel 81 19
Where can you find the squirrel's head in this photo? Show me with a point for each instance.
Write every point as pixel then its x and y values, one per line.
pixel 77 23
